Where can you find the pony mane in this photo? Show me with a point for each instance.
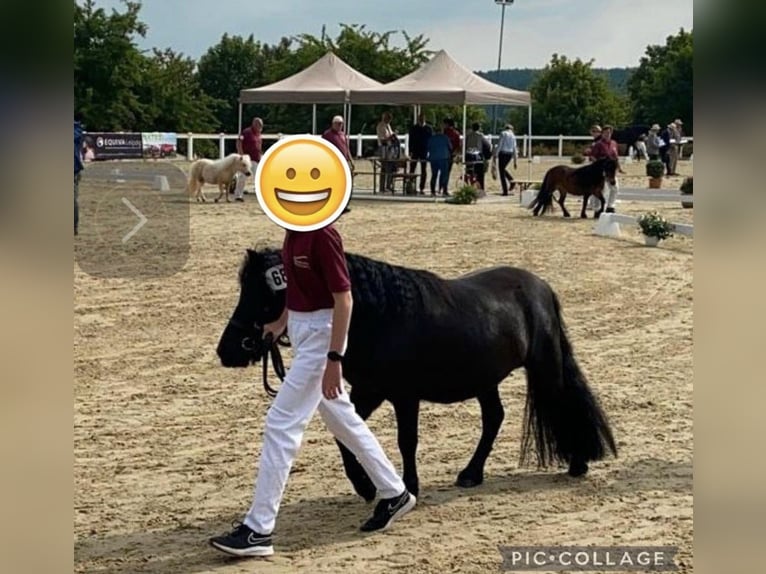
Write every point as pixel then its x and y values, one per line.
pixel 381 288
pixel 270 255
pixel 386 289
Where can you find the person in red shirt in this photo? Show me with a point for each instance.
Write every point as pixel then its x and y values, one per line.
pixel 454 139
pixel 250 143
pixel 336 136
pixel 317 316
pixel 605 146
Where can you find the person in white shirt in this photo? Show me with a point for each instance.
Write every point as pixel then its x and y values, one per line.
pixel 505 151
pixel 386 137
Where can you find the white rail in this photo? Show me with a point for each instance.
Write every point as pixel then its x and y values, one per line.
pixel 358 139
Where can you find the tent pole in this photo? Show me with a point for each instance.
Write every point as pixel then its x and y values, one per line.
pixel 465 107
pixel 529 139
pixel 313 119
pixel 348 131
pixel 239 131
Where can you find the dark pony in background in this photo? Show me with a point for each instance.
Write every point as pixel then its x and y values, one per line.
pixel 628 136
pixel 582 181
pixel 417 337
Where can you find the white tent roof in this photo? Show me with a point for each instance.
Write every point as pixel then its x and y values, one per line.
pixel 326 81
pixel 441 80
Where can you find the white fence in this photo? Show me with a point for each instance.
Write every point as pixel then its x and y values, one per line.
pixel 356 141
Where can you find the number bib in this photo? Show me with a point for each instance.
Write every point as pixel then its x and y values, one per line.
pixel 276 278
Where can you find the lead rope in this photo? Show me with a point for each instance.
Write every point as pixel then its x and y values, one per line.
pixel 271 347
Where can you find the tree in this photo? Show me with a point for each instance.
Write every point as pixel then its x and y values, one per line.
pixel 174 99
pixel 568 97
pixel 107 65
pixel 117 87
pixel 235 63
pixel 662 88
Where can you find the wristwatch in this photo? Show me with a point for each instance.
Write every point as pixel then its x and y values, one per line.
pixel 334 356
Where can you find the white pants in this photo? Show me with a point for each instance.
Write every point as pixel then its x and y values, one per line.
pixel 613 189
pixel 239 190
pixel 299 396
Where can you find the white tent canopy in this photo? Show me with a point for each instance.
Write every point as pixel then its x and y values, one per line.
pixel 326 81
pixel 441 80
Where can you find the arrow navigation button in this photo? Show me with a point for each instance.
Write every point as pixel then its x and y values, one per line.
pixel 139 225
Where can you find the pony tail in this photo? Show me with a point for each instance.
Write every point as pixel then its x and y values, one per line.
pixel 543 201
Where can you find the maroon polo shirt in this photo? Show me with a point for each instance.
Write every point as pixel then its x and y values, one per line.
pixel 251 143
pixel 602 148
pixel 454 139
pixel 315 268
pixel 338 139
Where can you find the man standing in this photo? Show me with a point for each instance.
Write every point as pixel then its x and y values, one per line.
pixel 317 316
pixel 476 147
pixel 607 147
pixel 674 131
pixel 250 143
pixel 386 143
pixel 78 167
pixel 418 136
pixel 455 143
pixel 505 151
pixel 336 136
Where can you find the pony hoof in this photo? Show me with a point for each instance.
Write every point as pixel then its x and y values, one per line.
pixel 366 490
pixel 216 200
pixel 583 216
pixel 468 480
pixel 577 468
pixel 567 215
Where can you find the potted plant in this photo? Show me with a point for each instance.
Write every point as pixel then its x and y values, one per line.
pixel 655 169
pixel 686 189
pixel 464 195
pixel 655 228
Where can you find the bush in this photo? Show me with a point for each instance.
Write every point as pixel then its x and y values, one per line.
pixel 464 195
pixel 655 168
pixel 687 186
pixel 654 225
pixel 578 158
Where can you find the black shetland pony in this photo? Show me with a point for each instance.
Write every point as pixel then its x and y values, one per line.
pixel 417 337
pixel 585 181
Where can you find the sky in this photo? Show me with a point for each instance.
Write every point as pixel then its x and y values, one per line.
pixel 614 33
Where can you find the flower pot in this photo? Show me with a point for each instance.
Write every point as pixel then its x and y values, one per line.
pixel 651 241
pixel 687 204
pixel 655 182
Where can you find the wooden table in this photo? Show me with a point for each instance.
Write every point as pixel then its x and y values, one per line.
pixel 402 162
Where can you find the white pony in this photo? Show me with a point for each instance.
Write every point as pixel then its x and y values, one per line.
pixel 219 172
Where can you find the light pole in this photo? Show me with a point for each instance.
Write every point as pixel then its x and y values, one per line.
pixel 503 4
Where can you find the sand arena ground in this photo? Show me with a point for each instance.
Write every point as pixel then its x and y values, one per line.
pixel 166 440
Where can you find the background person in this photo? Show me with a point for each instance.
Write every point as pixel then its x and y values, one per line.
pixel 418 137
pixel 607 147
pixel 337 136
pixel 505 151
pixel 250 142
pixel 439 155
pixel 78 167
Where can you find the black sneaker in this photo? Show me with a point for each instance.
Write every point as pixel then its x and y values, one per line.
pixel 388 510
pixel 243 541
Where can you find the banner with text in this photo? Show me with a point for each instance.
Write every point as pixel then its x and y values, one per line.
pixel 109 145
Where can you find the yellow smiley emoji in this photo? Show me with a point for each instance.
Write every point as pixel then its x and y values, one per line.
pixel 303 183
